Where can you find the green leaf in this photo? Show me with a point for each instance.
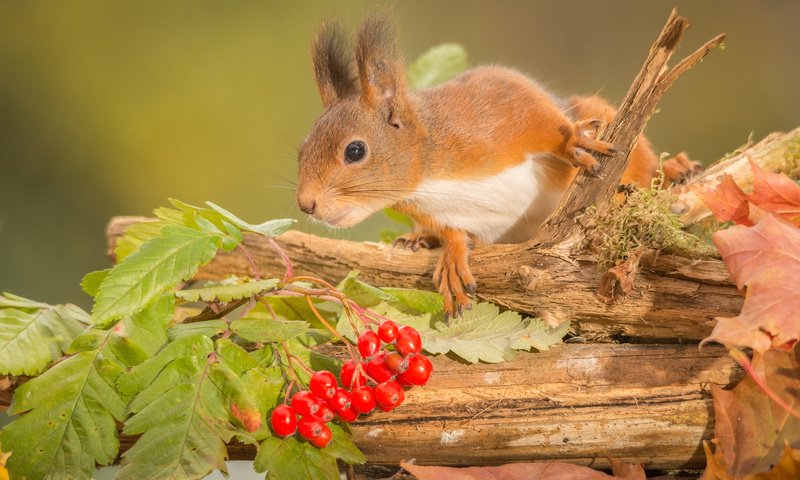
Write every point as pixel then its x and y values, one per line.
pixel 209 328
pixel 267 330
pixel 343 447
pixel 33 337
pixel 158 265
pixel 183 418
pixel 290 459
pixel 398 217
pixel 235 357
pixel 226 293
pixel 362 293
pixel 271 228
pixel 485 334
pixel 92 280
pixel 437 65
pixel 264 385
pixel 148 328
pixel 142 375
pixel 418 300
pixel 70 424
pixel 135 235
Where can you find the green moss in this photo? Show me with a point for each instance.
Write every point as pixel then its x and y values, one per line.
pixel 793 155
pixel 644 220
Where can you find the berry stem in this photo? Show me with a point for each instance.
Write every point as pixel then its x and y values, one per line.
pixel 287 262
pixel 256 273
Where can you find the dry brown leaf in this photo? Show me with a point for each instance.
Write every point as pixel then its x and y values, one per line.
pixel 750 429
pixel 621 277
pixel 728 202
pixel 787 468
pixel 526 471
pixel 764 259
pixel 776 193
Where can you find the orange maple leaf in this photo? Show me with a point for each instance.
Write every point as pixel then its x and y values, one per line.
pixel 764 260
pixel 728 202
pixel 776 193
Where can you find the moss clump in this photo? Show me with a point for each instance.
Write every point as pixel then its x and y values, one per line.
pixel 644 220
pixel 793 156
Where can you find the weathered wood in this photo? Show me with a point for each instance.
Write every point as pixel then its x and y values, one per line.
pixel 778 152
pixel 675 298
pixel 653 80
pixel 645 404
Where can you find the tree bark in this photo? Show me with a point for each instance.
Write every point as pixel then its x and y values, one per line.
pixel 646 404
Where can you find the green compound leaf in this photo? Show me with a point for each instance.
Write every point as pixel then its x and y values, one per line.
pixel 291 459
pixel 158 265
pixel 271 228
pixel 34 335
pixel 226 293
pixel 343 447
pixel 92 280
pixel 183 417
pixel 437 65
pixel 134 236
pixel 209 328
pixel 268 330
pixel 70 424
pixel 485 334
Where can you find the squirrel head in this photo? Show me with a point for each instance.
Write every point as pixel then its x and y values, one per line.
pixel 361 154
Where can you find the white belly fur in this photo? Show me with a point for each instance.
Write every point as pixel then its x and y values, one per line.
pixel 491 208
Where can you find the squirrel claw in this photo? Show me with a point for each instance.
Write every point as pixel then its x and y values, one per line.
pixel 415 241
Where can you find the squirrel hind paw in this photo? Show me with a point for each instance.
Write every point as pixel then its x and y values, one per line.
pixel 455 282
pixel 415 241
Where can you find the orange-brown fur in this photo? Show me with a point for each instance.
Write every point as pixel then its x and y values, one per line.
pixel 476 126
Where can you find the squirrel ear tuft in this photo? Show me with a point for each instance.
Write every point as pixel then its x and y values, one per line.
pixel 380 67
pixel 333 64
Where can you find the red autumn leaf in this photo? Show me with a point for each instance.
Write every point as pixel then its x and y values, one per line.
pixel 775 193
pixel 728 202
pixel 527 471
pixel 750 429
pixel 250 419
pixel 764 259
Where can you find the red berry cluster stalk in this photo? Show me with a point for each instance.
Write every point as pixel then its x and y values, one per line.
pixel 374 377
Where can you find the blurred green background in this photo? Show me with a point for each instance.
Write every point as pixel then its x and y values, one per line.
pixel 108 108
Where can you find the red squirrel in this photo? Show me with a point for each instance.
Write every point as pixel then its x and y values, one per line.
pixel 482 158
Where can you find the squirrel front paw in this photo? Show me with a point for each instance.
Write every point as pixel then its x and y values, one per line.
pixel 679 169
pixel 453 277
pixel 415 241
pixel 582 142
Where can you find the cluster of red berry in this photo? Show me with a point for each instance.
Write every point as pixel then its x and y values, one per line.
pixel 389 371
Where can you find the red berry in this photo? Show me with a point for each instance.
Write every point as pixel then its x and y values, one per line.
pixel 348 414
pixel 387 331
pixel 323 439
pixel 378 370
pixel 395 362
pixel 368 344
pixel 325 412
pixel 408 341
pixel 323 384
pixel 310 427
pixel 363 399
pixel 389 395
pixel 339 400
pixel 284 421
pixel 349 375
pixel 304 403
pixel 419 370
pixel 402 380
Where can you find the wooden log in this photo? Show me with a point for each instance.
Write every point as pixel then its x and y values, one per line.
pixel 675 299
pixel 646 404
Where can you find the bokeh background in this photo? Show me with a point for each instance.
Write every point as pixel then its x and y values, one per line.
pixel 108 108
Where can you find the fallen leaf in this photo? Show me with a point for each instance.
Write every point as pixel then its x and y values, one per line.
pixel 728 202
pixel 764 260
pixel 750 430
pixel 526 471
pixel 776 193
pixel 787 468
pixel 620 279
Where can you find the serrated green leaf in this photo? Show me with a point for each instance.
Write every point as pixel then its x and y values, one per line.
pixel 235 357
pixel 183 419
pixel 135 235
pixel 158 265
pixel 437 65
pixel 9 300
pixel 70 424
pixel 32 338
pixel 209 328
pixel 142 375
pixel 418 300
pixel 485 334
pixel 296 308
pixel 362 293
pixel 343 447
pixel 92 280
pixel 290 459
pixel 270 228
pixel 226 293
pixel 265 386
pixel 148 328
pixel 267 330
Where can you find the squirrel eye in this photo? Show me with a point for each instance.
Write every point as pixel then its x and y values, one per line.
pixel 355 152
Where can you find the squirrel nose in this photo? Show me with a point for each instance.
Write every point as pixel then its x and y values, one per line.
pixel 307 206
